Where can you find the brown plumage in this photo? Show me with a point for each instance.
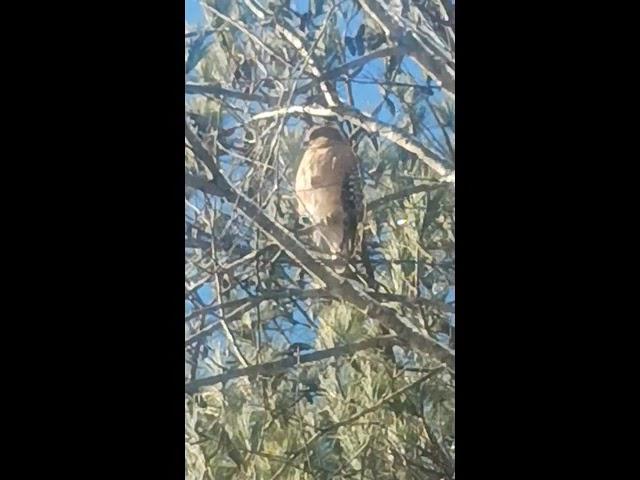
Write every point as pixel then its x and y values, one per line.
pixel 329 190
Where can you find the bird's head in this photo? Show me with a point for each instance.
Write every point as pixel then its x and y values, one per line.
pixel 325 132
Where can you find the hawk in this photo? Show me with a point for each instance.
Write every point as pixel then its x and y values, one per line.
pixel 329 190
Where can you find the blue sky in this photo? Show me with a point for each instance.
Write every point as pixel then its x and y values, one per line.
pixel 366 97
pixel 193 12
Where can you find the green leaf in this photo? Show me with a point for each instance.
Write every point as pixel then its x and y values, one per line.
pixel 359 40
pixel 350 45
pixel 391 106
pixel 197 51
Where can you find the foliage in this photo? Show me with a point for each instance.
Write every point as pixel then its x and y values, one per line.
pixel 374 406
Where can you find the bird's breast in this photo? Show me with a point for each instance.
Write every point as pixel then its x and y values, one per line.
pixel 319 180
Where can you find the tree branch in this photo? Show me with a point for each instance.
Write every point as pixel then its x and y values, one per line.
pixel 291 35
pixel 425 187
pixel 271 368
pixel 300 294
pixel 243 305
pixel 218 91
pixel 430 57
pixel 371 125
pixel 248 33
pixel 358 62
pixel 347 290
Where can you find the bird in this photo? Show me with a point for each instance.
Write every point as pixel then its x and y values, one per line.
pixel 329 191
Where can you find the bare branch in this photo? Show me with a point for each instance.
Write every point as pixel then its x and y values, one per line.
pixel 371 125
pixel 431 57
pixel 358 62
pixel 291 35
pixel 247 32
pixel 271 368
pixel 402 194
pixel 195 33
pixel 218 91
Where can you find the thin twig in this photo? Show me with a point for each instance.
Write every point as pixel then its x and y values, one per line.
pixel 271 368
pixel 371 125
pixel 247 32
pixel 402 194
pixel 218 91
